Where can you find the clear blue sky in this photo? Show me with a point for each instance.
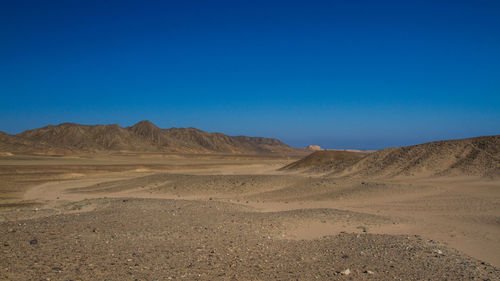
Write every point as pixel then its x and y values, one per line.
pixel 342 74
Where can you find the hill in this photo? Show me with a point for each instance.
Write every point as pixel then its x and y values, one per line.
pixel 144 136
pixel 325 160
pixel 478 156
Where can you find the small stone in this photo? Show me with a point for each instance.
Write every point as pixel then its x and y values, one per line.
pixel 364 228
pixel 33 242
pixel 57 269
pixel 346 272
pixel 95 230
pixel 6 244
pixel 369 272
pixel 437 251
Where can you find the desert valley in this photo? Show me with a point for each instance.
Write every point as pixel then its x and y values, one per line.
pixel 105 202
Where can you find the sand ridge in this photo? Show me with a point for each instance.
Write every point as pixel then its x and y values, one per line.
pixel 464 157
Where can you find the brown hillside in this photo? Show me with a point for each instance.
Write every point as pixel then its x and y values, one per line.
pixel 10 143
pixel 75 137
pixel 325 160
pixel 142 137
pixel 464 157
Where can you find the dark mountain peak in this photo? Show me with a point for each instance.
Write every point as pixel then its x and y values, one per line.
pixel 144 127
pixel 147 130
pixel 145 124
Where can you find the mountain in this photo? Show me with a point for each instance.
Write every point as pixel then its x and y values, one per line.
pixel 478 156
pixel 144 136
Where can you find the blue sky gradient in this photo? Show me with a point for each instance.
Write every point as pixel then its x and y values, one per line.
pixel 342 74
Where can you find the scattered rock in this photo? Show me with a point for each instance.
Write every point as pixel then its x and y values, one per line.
pixel 346 272
pixel 364 228
pixel 33 242
pixel 438 252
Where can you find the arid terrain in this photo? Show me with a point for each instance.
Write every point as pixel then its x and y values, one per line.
pixel 428 212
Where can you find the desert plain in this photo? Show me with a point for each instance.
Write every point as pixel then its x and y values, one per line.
pixel 171 216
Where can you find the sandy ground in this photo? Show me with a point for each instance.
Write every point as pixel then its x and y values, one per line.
pixel 175 217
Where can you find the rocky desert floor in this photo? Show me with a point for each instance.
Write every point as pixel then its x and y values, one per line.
pixel 226 217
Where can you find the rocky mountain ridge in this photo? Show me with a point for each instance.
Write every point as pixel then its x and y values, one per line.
pixel 67 138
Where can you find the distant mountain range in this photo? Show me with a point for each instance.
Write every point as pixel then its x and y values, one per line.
pixel 68 138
